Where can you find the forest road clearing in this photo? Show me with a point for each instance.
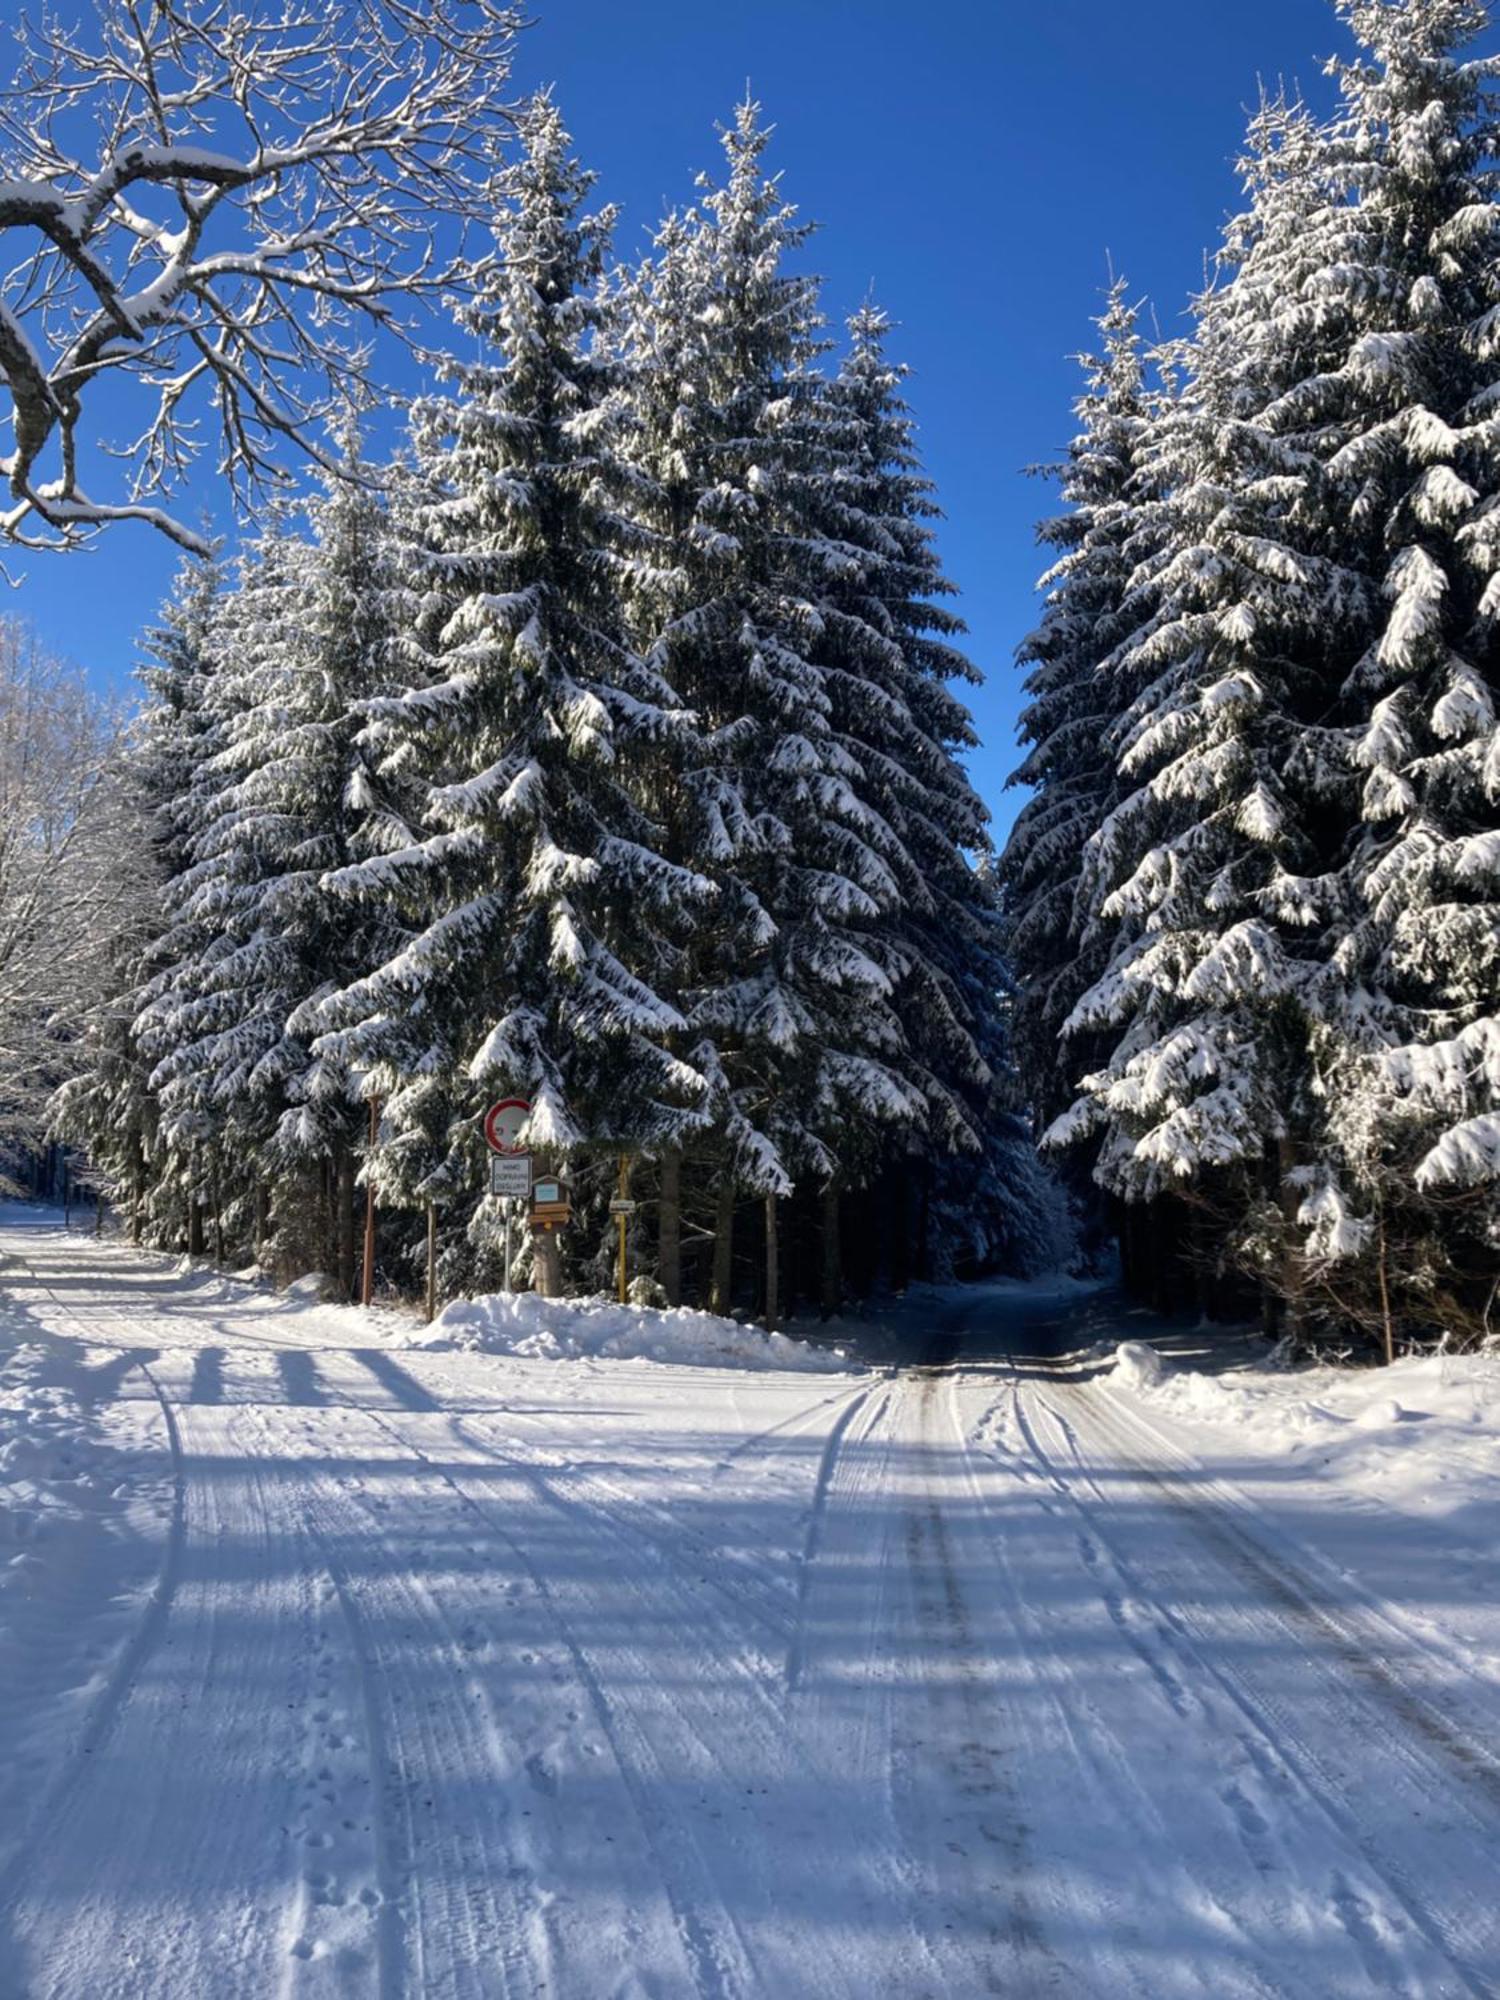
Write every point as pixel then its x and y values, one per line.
pixel 329 1667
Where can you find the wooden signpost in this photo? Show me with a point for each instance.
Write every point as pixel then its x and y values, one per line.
pixel 551 1212
pixel 551 1203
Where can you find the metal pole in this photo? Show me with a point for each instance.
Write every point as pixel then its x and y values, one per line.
pixel 622 1220
pixel 510 1208
pixel 367 1284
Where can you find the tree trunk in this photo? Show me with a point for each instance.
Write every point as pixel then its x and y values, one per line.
pixel 899 1213
pixel 1169 1295
pixel 1289 1199
pixel 1381 1272
pixel 773 1266
pixel 722 1281
pixel 218 1217
pixel 830 1284
pixel 431 1262
pixel 1197 1265
pixel 345 1207
pixel 367 1262
pixel 195 1226
pixel 1270 1312
pixel 262 1220
pixel 546 1264
pixel 924 1222
pixel 669 1227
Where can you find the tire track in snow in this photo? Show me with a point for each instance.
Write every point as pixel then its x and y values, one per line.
pixel 827 1466
pixel 899 1689
pixel 1162 1843
pixel 714 1949
pixel 169 1843
pixel 768 1604
pixel 1468 1948
pixel 458 1915
pixel 733 1798
pixel 108 1704
pixel 1362 1632
pixel 984 1827
pixel 1276 1576
pixel 766 1600
pixel 786 1431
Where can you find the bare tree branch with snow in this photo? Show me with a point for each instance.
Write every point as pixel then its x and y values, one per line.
pixel 63 887
pixel 220 203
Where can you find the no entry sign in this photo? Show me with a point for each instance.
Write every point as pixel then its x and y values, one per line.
pixel 502 1125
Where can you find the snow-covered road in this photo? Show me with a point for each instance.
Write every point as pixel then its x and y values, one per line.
pixel 333 1668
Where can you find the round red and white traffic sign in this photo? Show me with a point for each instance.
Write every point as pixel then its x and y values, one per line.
pixel 502 1125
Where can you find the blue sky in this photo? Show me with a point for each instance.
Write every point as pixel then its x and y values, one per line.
pixel 977 162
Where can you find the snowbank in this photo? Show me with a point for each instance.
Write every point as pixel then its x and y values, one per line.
pixel 1138 1366
pixel 1424 1435
pixel 580 1329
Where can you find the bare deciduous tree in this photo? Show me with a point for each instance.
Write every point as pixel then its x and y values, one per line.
pixel 222 201
pixel 63 885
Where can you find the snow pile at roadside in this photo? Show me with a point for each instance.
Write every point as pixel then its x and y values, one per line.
pixel 590 1329
pixel 1138 1366
pixel 1424 1434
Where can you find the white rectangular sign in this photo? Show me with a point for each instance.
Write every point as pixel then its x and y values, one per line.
pixel 510 1174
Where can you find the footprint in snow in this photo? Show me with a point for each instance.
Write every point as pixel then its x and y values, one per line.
pixel 543 1778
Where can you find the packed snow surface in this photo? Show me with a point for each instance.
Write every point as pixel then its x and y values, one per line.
pixel 578 1329
pixel 330 1666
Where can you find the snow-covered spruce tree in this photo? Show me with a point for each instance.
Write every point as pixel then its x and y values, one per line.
pixel 1219 865
pixel 1318 994
pixel 888 649
pixel 282 799
pixel 1055 945
pixel 533 901
pixel 108 1108
pixel 215 1003
pixel 751 602
pixel 321 807
pixel 1405 1218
